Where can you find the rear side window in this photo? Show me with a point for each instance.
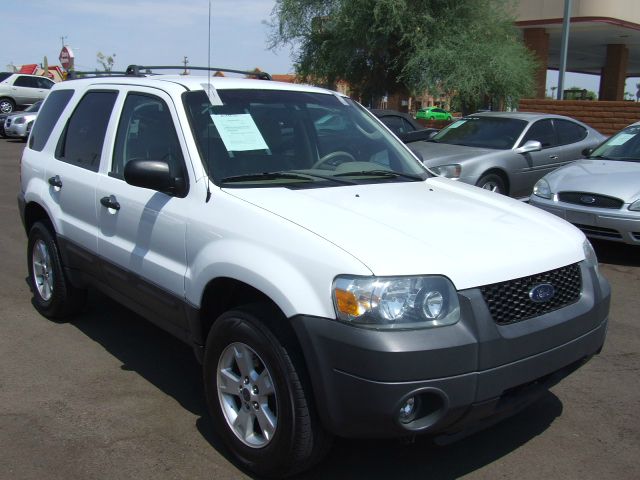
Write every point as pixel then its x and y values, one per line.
pixel 48 117
pixel 569 132
pixel 397 124
pixel 82 140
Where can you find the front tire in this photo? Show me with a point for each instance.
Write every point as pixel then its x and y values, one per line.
pixel 256 397
pixel 493 182
pixel 53 294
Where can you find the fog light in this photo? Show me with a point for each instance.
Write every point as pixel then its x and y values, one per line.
pixel 408 410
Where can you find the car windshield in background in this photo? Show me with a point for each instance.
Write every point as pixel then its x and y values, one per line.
pixel 625 145
pixel 4 75
pixel 483 132
pixel 34 108
pixel 294 139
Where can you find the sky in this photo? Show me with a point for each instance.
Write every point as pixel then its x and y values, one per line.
pixel 160 32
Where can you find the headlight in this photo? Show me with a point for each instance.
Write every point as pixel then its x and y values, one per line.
pixel 590 254
pixel 396 302
pixel 19 121
pixel 542 189
pixel 449 171
pixel 635 206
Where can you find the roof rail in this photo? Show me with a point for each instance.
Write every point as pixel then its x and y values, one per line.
pixel 137 70
pixel 74 74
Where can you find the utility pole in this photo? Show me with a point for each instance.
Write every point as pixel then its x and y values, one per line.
pixel 62 39
pixel 185 62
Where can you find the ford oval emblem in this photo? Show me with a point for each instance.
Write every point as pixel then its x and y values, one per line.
pixel 588 199
pixel 542 293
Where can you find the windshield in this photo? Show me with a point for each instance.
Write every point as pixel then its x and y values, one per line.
pixel 484 132
pixel 33 108
pixel 624 145
pixel 4 75
pixel 294 139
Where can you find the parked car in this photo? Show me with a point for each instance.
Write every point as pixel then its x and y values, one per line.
pixel 506 152
pixel 405 127
pixel 18 125
pixel 19 90
pixel 433 113
pixel 326 280
pixel 601 193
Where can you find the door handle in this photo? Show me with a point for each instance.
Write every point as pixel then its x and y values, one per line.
pixel 553 157
pixel 110 202
pixel 55 182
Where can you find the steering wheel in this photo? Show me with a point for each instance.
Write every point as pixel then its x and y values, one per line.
pixel 334 159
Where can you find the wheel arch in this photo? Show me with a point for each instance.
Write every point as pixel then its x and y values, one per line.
pixel 34 212
pixel 502 174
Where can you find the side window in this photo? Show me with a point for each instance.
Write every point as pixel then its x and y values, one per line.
pixel 394 123
pixel 82 140
pixel 48 117
pixel 543 132
pixel 44 83
pixel 569 132
pixel 146 132
pixel 24 81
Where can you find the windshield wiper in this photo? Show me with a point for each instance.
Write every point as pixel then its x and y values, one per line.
pixel 598 157
pixel 248 177
pixel 380 173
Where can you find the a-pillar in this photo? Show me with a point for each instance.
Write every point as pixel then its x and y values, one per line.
pixel 537 41
pixel 612 79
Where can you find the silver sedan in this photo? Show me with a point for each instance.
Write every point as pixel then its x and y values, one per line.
pixel 600 194
pixel 506 152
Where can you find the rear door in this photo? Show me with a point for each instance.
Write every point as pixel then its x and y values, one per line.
pixel 73 178
pixel 141 231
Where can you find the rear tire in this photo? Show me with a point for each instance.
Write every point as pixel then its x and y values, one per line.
pixel 53 294
pixel 257 398
pixel 493 182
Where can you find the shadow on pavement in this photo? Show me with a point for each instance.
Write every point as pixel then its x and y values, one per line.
pixel 615 253
pixel 171 366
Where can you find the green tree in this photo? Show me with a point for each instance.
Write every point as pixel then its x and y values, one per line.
pixel 467 49
pixel 106 61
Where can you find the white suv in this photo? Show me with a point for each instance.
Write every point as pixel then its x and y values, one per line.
pixel 328 282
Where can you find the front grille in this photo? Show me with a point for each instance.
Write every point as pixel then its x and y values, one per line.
pixel 599 231
pixel 509 301
pixel 8 122
pixel 590 200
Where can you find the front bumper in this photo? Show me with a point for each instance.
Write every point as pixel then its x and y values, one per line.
pixel 605 224
pixel 16 130
pixel 462 375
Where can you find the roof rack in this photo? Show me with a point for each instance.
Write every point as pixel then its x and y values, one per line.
pixel 74 74
pixel 137 70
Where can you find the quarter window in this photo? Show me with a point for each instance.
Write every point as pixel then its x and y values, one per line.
pixel 82 140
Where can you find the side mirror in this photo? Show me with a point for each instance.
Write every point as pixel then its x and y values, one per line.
pixel 417 135
pixel 529 146
pixel 155 175
pixel 587 151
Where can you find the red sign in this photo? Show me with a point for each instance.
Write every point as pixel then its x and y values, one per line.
pixel 66 58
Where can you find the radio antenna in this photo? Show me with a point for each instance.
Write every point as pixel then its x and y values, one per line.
pixel 208 96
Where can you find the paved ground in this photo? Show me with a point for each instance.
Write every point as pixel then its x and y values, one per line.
pixel 111 397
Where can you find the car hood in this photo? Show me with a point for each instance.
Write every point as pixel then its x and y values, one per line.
pixel 613 178
pixel 434 154
pixel 438 226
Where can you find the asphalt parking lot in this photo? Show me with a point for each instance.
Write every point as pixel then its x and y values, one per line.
pixel 110 396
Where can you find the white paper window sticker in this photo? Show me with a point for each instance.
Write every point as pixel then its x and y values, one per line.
pixel 239 133
pixel 621 139
pixel 457 124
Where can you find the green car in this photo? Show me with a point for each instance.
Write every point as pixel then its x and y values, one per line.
pixel 433 113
